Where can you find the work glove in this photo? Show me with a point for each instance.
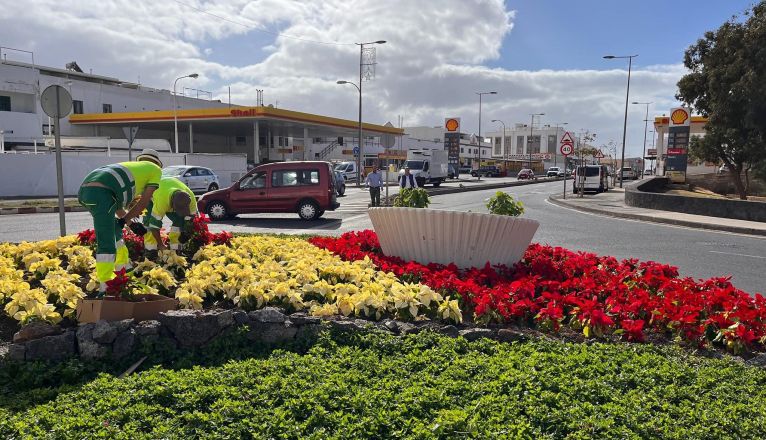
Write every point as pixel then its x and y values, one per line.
pixel 184 237
pixel 138 229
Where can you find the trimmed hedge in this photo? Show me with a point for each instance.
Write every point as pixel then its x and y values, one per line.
pixel 420 386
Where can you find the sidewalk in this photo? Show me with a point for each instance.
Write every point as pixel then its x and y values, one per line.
pixel 612 204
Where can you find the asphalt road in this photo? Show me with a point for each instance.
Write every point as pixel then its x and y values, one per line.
pixel 697 253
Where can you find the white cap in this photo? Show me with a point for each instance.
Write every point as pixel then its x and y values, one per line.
pixel 150 155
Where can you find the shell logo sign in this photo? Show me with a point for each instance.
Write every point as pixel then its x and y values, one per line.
pixel 452 124
pixel 679 117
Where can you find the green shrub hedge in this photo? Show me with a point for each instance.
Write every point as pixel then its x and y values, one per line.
pixel 424 386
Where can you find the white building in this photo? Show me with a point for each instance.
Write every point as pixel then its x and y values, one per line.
pixel 24 123
pixel 519 142
pixel 432 138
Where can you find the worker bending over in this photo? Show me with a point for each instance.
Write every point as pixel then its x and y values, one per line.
pixel 176 201
pixel 107 192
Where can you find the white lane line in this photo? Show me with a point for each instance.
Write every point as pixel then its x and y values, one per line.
pixel 739 255
pixel 647 222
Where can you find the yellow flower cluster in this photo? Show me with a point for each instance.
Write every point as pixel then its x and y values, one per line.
pixel 46 279
pixel 56 266
pixel 290 272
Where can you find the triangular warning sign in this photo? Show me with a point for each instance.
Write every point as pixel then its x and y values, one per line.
pixel 567 139
pixel 599 154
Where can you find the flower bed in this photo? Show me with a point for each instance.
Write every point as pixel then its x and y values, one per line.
pixel 553 287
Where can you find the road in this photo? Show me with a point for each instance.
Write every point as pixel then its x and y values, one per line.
pixel 697 253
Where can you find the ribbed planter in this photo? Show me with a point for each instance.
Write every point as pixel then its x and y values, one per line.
pixel 467 239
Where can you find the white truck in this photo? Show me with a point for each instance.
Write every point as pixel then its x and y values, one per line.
pixel 427 166
pixel 348 169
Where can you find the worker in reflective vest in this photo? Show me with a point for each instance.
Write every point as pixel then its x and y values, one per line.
pixel 107 192
pixel 176 201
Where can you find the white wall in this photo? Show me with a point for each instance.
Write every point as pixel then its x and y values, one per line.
pixel 34 175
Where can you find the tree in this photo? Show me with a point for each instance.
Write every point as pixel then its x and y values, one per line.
pixel 727 83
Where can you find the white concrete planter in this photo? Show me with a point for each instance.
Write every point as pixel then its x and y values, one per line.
pixel 468 239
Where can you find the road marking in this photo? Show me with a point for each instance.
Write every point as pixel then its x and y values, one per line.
pixel 739 255
pixel 667 225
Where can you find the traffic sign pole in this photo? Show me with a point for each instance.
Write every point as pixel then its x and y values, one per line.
pixel 566 148
pixel 59 167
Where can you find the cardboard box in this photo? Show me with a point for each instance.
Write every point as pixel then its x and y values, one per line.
pixel 146 307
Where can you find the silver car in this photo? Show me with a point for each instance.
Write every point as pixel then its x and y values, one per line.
pixel 198 179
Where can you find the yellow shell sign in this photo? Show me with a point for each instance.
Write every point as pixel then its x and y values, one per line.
pixel 679 116
pixel 452 124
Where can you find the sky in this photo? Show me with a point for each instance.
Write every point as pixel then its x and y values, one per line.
pixel 539 55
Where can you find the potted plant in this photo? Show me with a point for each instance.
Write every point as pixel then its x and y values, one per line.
pixel 126 297
pixel 469 239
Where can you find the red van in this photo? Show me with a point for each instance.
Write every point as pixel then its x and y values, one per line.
pixel 307 188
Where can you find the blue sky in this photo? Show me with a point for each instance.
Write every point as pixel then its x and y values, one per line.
pixel 574 34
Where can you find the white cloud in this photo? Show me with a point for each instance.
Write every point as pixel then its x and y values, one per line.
pixel 430 67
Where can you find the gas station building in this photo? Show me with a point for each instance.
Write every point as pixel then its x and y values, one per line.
pixel 263 133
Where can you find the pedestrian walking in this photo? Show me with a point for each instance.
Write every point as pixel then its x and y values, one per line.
pixel 375 181
pixel 107 192
pixel 407 180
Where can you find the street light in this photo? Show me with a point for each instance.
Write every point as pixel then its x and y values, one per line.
pixel 503 141
pixel 478 173
pixel 359 87
pixel 529 141
pixel 646 122
pixel 627 94
pixel 175 106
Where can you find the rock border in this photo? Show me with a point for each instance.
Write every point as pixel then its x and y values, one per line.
pixel 188 329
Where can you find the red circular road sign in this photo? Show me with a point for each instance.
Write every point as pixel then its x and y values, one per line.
pixel 566 149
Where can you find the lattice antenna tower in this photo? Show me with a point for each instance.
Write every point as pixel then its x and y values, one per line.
pixel 369 61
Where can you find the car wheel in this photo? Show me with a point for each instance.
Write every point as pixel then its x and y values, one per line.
pixel 217 211
pixel 308 210
pixel 212 187
pixel 437 183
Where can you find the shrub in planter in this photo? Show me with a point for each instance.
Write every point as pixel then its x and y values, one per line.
pixel 504 204
pixel 412 198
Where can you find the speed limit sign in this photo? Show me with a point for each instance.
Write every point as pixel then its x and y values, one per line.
pixel 566 149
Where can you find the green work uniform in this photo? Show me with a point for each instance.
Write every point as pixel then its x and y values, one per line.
pixel 122 182
pixel 162 206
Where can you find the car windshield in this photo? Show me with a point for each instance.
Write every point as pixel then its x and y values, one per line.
pixel 173 171
pixel 414 164
pixel 553 169
pixel 341 167
pixel 589 171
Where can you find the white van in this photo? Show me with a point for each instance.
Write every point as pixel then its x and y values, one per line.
pixel 348 169
pixel 591 178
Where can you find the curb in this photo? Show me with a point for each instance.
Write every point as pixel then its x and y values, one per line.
pixel 41 210
pixel 442 191
pixel 647 218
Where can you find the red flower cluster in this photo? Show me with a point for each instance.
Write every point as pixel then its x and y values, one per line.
pixel 118 285
pixel 134 242
pixel 201 236
pixel 552 286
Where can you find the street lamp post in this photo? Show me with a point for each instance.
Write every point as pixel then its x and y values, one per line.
pixel 478 172
pixel 529 141
pixel 646 122
pixel 175 107
pixel 627 95
pixel 359 87
pixel 503 141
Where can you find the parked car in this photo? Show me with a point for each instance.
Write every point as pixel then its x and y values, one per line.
pixel 486 171
pixel 627 173
pixel 554 172
pixel 305 188
pixel 591 178
pixel 464 170
pixel 198 179
pixel 526 174
pixel 340 183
